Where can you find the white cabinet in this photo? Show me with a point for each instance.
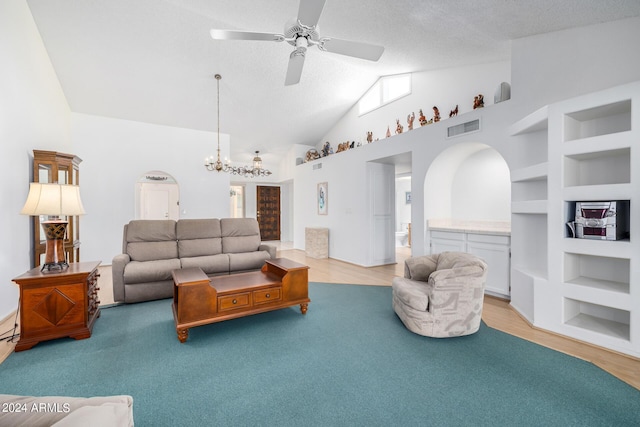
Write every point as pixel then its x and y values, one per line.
pixel 446 241
pixel 494 249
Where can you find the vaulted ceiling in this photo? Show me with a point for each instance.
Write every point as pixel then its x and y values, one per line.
pixel 153 60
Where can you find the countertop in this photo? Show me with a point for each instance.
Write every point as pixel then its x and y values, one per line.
pixel 502 228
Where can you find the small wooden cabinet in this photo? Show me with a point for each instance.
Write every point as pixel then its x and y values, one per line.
pixel 56 304
pixel 61 168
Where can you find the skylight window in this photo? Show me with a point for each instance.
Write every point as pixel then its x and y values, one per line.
pixel 384 91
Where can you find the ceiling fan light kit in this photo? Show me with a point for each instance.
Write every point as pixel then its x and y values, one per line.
pixel 302 33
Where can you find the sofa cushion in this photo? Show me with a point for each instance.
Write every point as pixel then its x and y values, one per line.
pixel 239 235
pixel 199 237
pixel 150 271
pixel 210 264
pixel 248 260
pixel 151 251
pixel 151 230
pixel 148 240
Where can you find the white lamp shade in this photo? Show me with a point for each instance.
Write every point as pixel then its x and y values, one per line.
pixel 53 199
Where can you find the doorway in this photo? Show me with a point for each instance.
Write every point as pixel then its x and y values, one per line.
pixel 157 196
pixel 268 211
pixel 236 207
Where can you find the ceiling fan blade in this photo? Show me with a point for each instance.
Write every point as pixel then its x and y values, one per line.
pixel 309 11
pixel 359 50
pixel 294 70
pixel 245 35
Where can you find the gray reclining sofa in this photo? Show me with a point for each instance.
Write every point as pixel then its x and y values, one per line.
pixel 152 249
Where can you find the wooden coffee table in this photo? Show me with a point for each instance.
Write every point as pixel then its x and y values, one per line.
pixel 200 300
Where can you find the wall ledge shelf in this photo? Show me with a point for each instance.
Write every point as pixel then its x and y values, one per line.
pixel 537 172
pixel 536 274
pixel 534 122
pixel 529 207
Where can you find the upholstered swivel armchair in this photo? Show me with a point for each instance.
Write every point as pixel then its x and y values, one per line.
pixel 441 295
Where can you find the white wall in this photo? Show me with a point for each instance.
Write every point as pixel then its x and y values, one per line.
pixel 346 174
pixel 442 88
pixel 33 115
pixel 116 152
pixel 481 188
pixel 560 65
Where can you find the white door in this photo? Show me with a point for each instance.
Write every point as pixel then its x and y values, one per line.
pixel 159 201
pixel 381 178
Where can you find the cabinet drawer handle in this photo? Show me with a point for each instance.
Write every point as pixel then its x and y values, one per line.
pixel 268 295
pixel 235 301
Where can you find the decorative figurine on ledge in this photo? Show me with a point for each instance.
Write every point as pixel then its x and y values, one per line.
pixel 312 154
pixel 342 147
pixel 352 145
pixel 388 132
pixel 454 112
pixel 436 114
pixel 478 101
pixel 369 137
pixel 399 127
pixel 422 119
pixel 326 149
pixel 410 118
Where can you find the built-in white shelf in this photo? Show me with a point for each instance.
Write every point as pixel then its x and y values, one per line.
pixel 598 144
pixel 605 285
pixel 602 326
pixel 605 320
pixel 586 193
pixel 598 248
pixel 537 172
pixel 599 168
pixel 597 272
pixel 604 119
pixel 534 122
pixel 529 207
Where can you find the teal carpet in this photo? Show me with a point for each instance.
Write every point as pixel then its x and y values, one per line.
pixel 349 361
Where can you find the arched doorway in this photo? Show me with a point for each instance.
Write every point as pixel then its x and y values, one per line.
pixel 157 196
pixel 467 205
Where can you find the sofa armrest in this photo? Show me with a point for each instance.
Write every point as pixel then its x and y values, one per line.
pixel 269 248
pixel 420 267
pixel 117 272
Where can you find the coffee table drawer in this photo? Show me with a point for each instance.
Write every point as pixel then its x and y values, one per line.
pixel 233 302
pixel 267 295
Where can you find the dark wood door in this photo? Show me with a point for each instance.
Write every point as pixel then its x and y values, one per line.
pixel 268 212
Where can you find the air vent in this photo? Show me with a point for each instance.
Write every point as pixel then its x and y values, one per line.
pixel 317 166
pixel 462 128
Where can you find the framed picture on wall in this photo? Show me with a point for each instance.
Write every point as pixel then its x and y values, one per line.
pixel 323 198
pixel 407 197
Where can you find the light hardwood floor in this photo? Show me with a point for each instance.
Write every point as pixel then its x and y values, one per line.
pixel 497 313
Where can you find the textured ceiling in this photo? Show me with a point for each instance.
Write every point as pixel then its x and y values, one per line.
pixel 153 60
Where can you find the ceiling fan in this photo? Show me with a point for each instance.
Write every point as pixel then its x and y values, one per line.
pixel 302 33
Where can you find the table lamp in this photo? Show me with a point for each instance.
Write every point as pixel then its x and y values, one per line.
pixel 53 200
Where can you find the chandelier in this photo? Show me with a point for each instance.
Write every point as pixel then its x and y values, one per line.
pixel 253 171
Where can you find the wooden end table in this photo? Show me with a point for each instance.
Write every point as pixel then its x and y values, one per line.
pixel 200 300
pixel 56 304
